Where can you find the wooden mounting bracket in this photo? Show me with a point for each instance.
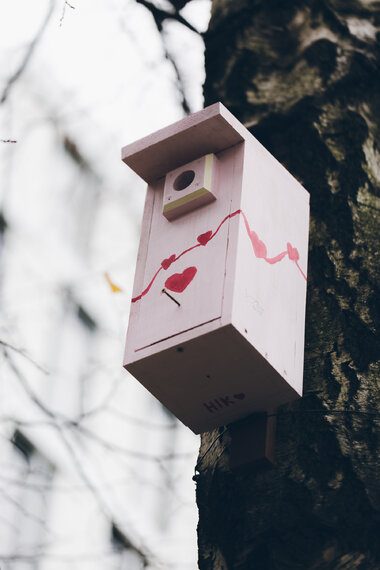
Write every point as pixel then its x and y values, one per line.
pixel 253 441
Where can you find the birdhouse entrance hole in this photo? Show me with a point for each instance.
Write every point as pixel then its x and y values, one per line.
pixel 184 180
pixel 196 181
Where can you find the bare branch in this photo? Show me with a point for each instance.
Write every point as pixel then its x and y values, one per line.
pixel 66 3
pixel 138 454
pixel 145 556
pixel 11 525
pixel 128 419
pixel 74 152
pixel 28 54
pixel 26 423
pixel 179 4
pixel 161 15
pixel 23 510
pixel 67 559
pixel 59 423
pixel 24 355
pixel 184 102
pixel 32 395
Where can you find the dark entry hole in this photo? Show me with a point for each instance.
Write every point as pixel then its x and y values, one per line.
pixel 183 180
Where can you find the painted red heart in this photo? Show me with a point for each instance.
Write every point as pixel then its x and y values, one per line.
pixel 204 238
pixel 166 263
pixel 259 246
pixel 179 281
pixel 239 396
pixel 292 252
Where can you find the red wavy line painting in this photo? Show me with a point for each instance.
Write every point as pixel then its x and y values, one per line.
pixel 259 248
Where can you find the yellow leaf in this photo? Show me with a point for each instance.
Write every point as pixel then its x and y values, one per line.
pixel 114 288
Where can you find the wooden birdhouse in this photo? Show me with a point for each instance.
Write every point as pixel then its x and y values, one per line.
pixel 216 328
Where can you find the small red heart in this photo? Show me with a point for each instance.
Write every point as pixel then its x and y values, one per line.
pixel 259 246
pixel 166 263
pixel 179 281
pixel 292 252
pixel 205 238
pixel 239 396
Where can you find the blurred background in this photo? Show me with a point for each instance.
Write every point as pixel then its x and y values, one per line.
pixel 94 472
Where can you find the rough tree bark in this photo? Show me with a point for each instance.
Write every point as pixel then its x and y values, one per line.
pixel 304 77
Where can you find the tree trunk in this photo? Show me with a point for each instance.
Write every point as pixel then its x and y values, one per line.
pixel 304 77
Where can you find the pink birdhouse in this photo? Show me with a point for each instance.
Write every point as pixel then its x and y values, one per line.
pixel 216 328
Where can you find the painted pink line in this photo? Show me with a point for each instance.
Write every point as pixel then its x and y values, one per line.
pixel 270 260
pixel 223 221
pixel 246 222
pixel 187 251
pixel 148 288
pixel 276 259
pixel 302 273
pixel 183 253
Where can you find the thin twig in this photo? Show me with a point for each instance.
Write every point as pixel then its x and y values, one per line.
pixel 119 449
pixel 78 463
pixel 28 54
pixel 66 3
pixel 159 17
pixel 180 86
pixel 23 510
pixel 24 355
pixel 104 405
pixel 59 426
pixel 129 419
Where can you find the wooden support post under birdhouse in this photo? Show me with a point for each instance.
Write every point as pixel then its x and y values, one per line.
pixel 253 441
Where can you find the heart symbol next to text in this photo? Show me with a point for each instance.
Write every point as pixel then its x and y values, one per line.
pixel 239 396
pixel 179 281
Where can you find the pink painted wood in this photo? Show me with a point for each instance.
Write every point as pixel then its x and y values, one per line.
pixel 211 130
pixel 225 339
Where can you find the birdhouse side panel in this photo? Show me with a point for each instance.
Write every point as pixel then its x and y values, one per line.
pixel 270 289
pixel 138 284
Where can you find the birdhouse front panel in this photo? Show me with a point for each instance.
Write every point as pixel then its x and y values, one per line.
pixel 184 269
pixel 217 315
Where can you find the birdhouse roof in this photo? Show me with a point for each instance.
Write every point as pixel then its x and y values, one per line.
pixel 211 130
